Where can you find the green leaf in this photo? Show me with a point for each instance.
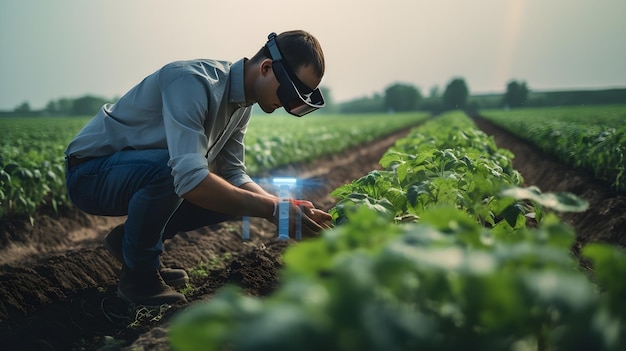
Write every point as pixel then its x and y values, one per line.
pixel 451 220
pixel 211 324
pixel 513 214
pixel 609 265
pixel 392 157
pixel 25 174
pixel 11 167
pixel 280 327
pixel 416 189
pixel 382 207
pixel 4 177
pixel 562 201
pixel 397 197
pixel 468 163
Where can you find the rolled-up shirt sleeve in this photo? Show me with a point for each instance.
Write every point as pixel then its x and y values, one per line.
pixel 230 162
pixel 185 103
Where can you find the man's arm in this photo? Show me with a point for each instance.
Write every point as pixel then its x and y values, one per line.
pixel 216 194
pixel 257 189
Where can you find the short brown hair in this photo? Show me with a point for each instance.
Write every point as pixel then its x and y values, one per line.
pixel 299 48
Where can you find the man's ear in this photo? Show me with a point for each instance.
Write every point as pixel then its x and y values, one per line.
pixel 266 66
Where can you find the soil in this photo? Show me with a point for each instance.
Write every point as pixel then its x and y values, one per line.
pixel 57 282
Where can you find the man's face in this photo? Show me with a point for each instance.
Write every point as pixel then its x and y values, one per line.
pixel 267 87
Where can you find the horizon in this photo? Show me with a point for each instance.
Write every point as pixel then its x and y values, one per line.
pixel 478 94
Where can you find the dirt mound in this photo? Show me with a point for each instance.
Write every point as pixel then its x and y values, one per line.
pixel 57 284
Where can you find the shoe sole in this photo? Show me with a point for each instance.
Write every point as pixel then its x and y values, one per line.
pixel 125 298
pixel 179 283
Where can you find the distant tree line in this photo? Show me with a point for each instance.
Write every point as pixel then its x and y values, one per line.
pixel 397 97
pixel 400 97
pixel 456 95
pixel 81 106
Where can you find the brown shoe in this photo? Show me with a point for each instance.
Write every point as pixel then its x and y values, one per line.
pixel 176 278
pixel 146 288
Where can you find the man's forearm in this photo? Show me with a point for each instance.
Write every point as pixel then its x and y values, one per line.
pixel 216 194
pixel 257 189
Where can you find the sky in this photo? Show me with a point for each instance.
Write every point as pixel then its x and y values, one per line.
pixel 70 48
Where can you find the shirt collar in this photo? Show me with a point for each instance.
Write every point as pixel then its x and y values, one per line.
pixel 237 88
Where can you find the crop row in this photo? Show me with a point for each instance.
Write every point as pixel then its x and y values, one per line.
pixel 280 140
pixel 32 170
pixel 593 138
pixel 460 167
pixel 457 276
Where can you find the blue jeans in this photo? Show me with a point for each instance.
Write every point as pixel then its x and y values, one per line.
pixel 139 184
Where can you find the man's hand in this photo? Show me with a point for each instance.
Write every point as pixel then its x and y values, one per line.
pixel 320 217
pixel 313 220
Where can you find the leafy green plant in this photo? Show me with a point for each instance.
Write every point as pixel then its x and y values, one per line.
pixel 215 261
pixel 438 164
pixel 449 282
pixel 444 284
pixel 593 138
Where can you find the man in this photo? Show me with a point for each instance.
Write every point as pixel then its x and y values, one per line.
pixel 169 154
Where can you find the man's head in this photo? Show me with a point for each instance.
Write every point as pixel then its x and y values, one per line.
pixel 287 71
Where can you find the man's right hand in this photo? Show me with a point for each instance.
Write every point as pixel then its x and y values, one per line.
pixel 322 218
pixel 313 220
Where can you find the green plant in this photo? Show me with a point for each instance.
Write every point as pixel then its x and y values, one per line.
pixel 468 275
pixel 593 138
pixel 444 284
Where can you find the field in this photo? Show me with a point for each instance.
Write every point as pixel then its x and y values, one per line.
pixel 587 137
pixel 32 159
pixel 57 283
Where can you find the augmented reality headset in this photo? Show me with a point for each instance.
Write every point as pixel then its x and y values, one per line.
pixel 295 96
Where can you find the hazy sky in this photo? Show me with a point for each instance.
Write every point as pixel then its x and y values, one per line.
pixel 68 48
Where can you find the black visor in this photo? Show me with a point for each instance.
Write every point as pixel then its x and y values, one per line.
pixel 295 96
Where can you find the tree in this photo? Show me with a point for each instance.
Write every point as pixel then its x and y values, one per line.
pixel 24 107
pixel 434 92
pixel 456 93
pixel 52 107
pixel 87 105
pixel 516 94
pixel 60 106
pixel 363 105
pixel 401 97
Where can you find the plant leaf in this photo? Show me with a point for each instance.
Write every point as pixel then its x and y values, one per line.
pixel 561 201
